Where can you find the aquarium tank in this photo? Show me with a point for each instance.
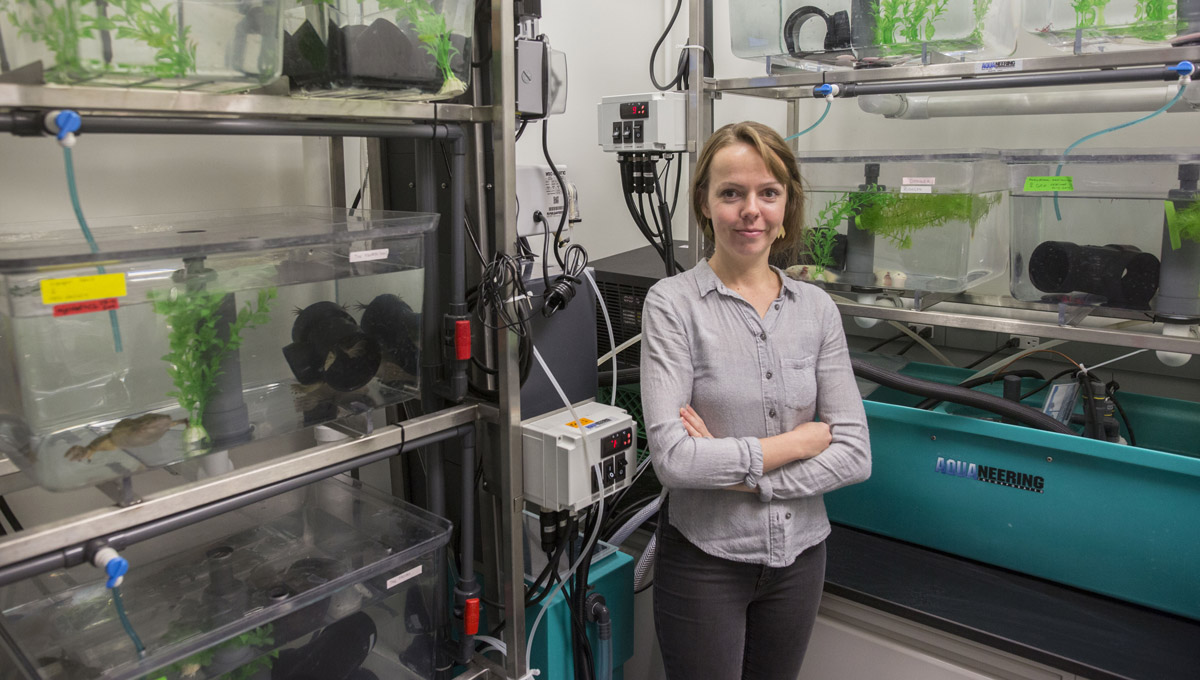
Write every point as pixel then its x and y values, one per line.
pixel 205 45
pixel 816 35
pixel 1102 25
pixel 186 334
pixel 1108 227
pixel 406 50
pixel 911 220
pixel 317 582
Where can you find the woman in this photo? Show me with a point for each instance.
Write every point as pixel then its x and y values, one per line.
pixel 737 360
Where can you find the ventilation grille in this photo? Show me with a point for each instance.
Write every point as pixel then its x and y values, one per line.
pixel 624 304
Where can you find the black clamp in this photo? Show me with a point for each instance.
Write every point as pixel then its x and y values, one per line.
pixel 837 29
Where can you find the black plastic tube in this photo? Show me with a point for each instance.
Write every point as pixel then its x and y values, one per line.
pixel 959 395
pixel 1130 75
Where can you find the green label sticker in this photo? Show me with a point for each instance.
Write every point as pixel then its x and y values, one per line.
pixel 1049 184
pixel 1172 225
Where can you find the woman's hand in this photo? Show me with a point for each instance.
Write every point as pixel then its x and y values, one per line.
pixel 811 439
pixel 693 423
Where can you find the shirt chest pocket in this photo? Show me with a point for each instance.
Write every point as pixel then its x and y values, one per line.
pixel 800 383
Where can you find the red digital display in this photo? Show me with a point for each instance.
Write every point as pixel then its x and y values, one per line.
pixel 635 110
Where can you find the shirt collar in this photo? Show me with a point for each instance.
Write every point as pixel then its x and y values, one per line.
pixel 707 281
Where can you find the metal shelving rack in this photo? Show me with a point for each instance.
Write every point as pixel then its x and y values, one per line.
pixel 995 314
pixel 265 470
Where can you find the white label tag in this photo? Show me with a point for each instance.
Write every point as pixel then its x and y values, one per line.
pixel 368 255
pixel 999 66
pixel 923 181
pixel 401 578
pixel 916 190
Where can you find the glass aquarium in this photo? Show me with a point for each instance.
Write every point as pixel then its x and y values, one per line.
pixel 1101 25
pixel 309 583
pixel 415 50
pixel 1112 227
pixel 864 32
pixel 207 45
pixel 156 339
pixel 912 220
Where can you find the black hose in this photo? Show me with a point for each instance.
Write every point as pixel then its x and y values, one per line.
pixel 982 380
pixel 959 395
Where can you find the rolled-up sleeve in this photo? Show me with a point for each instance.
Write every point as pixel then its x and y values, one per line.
pixel 848 459
pixel 680 460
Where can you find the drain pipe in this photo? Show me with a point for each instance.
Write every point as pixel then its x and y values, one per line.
pixel 924 107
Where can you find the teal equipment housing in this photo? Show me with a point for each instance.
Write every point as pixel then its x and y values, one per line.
pixel 612 577
pixel 1115 519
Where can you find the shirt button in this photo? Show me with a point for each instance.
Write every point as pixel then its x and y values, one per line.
pixel 762 336
pixel 788 516
pixel 776 305
pixel 769 374
pixel 772 413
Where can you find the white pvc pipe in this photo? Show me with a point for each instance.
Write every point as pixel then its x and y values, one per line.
pixel 923 107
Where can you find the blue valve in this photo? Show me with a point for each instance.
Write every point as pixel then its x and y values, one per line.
pixel 68 122
pixel 116 568
pixel 1183 68
pixel 823 90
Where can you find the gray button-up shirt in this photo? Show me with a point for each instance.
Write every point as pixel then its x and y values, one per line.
pixel 705 345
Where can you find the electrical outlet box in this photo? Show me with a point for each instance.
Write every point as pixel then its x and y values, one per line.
pixel 563 457
pixel 1026 341
pixel 643 123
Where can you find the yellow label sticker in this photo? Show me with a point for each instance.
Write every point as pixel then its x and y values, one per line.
pixel 80 288
pixel 585 422
pixel 1050 183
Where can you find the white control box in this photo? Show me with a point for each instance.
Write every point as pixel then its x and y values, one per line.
pixel 654 122
pixel 559 465
pixel 539 191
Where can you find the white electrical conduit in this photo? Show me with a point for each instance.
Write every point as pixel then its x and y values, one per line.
pixel 636 521
pixel 608 324
pixel 620 348
pixel 923 107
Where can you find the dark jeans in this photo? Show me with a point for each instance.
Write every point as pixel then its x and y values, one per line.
pixel 724 620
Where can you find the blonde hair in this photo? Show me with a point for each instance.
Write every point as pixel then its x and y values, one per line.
pixel 781 163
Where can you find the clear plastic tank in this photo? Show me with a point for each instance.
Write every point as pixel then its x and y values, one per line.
pixel 793 32
pixel 208 45
pixel 1104 24
pixel 1112 227
pixel 191 333
pixel 921 221
pixel 240 596
pixel 412 50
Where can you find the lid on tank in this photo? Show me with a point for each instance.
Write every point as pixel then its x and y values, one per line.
pixel 901 156
pixel 29 245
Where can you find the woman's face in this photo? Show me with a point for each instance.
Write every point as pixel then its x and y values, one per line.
pixel 745 203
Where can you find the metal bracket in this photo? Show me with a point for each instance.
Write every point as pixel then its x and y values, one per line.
pixel 121 491
pixel 924 300
pixel 1078 49
pixel 30 74
pixel 1069 315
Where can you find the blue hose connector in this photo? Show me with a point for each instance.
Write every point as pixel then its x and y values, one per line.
pixel 68 122
pixel 1183 68
pixel 116 569
pixel 825 90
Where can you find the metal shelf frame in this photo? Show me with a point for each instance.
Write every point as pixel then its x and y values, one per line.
pixel 265 113
pixel 978 314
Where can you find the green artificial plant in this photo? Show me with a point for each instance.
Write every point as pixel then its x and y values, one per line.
pixel 1155 20
pixel 818 241
pixel 159 28
pixel 1185 224
pixel 913 20
pixel 897 217
pixel 256 638
pixel 434 35
pixel 1089 13
pixel 60 25
pixel 197 347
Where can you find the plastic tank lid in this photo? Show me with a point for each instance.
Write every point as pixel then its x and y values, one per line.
pixel 1105 155
pixel 901 156
pixel 31 244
